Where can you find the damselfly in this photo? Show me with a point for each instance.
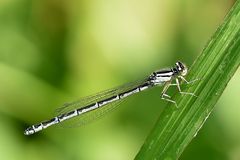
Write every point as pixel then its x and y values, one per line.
pixel 94 106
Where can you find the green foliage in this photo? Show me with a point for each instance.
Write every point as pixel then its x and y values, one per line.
pixel 215 66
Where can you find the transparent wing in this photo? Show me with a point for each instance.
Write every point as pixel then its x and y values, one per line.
pixel 99 112
pixel 91 116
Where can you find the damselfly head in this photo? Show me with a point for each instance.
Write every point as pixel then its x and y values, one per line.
pixel 182 68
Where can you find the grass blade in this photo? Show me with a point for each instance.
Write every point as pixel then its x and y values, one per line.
pixel 215 66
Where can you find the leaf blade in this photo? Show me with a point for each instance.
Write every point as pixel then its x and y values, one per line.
pixel 215 66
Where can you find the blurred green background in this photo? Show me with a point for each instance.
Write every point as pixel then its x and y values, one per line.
pixel 55 51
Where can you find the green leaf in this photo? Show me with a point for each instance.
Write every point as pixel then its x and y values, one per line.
pixel 215 66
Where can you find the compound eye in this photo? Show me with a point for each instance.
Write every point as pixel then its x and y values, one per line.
pixel 180 65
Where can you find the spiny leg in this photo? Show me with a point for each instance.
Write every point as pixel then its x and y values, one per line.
pixel 180 91
pixel 188 82
pixel 165 96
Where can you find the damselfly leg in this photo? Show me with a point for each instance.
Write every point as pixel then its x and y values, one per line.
pixel 166 97
pixel 189 82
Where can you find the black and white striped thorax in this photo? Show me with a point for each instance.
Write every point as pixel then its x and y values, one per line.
pixel 165 75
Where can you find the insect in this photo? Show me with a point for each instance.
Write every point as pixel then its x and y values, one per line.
pixel 93 106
